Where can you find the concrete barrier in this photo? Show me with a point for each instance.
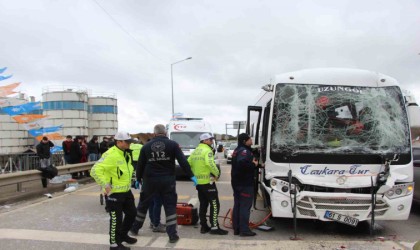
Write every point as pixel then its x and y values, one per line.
pixel 32 175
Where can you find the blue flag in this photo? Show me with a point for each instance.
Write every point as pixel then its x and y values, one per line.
pixel 41 131
pixel 3 69
pixel 56 149
pixel 5 77
pixel 22 109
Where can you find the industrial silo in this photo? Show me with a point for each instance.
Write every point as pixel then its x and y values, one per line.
pixel 14 137
pixel 103 112
pixel 66 106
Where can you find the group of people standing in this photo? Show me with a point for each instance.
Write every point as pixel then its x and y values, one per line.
pixel 155 177
pixel 78 150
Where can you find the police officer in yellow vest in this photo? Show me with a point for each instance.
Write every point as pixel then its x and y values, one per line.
pixel 204 168
pixel 135 148
pixel 113 172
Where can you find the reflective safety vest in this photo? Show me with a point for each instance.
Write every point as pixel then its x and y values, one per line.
pixel 136 147
pixel 202 163
pixel 115 169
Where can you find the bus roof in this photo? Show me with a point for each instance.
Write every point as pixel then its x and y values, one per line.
pixel 337 76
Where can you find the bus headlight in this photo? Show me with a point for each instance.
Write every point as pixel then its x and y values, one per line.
pixel 284 203
pixel 273 182
pixel 400 190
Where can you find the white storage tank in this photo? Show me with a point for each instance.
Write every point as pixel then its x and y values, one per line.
pixel 103 114
pixel 14 138
pixel 66 106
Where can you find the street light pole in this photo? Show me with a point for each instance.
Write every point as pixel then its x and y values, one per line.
pixel 172 83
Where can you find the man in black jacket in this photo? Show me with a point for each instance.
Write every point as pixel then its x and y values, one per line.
pixel 66 148
pixel 104 146
pixel 156 170
pixel 93 149
pixel 242 180
pixel 76 154
pixel 44 154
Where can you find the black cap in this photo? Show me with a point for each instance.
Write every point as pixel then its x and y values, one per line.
pixel 45 138
pixel 242 138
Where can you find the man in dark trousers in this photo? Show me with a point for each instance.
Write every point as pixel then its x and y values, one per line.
pixel 242 179
pixel 204 168
pixel 44 154
pixel 75 153
pixel 156 171
pixel 113 172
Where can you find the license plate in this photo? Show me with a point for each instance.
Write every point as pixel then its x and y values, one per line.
pixel 341 218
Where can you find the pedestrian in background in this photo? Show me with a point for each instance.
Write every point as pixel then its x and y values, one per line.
pixel 204 168
pixel 135 149
pixel 93 148
pixel 44 154
pixel 111 141
pixel 156 171
pixel 104 146
pixel 84 149
pixel 66 148
pixel 76 154
pixel 113 172
pixel 242 180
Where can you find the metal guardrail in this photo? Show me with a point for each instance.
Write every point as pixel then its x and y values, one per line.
pixel 32 175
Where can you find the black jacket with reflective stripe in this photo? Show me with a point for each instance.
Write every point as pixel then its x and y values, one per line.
pixel 157 158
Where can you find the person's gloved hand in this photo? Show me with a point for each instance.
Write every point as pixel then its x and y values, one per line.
pixel 194 179
pixel 137 185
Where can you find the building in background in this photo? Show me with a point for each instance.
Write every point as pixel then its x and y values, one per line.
pixel 13 136
pixel 76 110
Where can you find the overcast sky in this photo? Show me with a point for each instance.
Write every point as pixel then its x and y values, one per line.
pixel 126 47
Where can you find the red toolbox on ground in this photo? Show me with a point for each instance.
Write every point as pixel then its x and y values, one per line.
pixel 186 214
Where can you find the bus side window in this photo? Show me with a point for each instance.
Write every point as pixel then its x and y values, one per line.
pixel 264 135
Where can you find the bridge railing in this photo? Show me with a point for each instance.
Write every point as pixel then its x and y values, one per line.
pixel 26 161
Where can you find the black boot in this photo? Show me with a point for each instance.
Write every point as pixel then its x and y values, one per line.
pixel 135 228
pixel 119 247
pixel 218 231
pixel 129 240
pixel 205 229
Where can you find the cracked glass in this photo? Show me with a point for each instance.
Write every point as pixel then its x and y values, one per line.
pixel 339 119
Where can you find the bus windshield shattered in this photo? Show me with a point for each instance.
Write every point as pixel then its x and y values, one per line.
pixel 338 124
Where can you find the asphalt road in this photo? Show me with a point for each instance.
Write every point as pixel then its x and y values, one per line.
pixel 77 221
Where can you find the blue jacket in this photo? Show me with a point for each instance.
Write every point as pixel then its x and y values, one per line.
pixel 157 158
pixel 243 168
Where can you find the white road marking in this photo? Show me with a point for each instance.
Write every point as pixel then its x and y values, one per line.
pixel 216 242
pixel 70 237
